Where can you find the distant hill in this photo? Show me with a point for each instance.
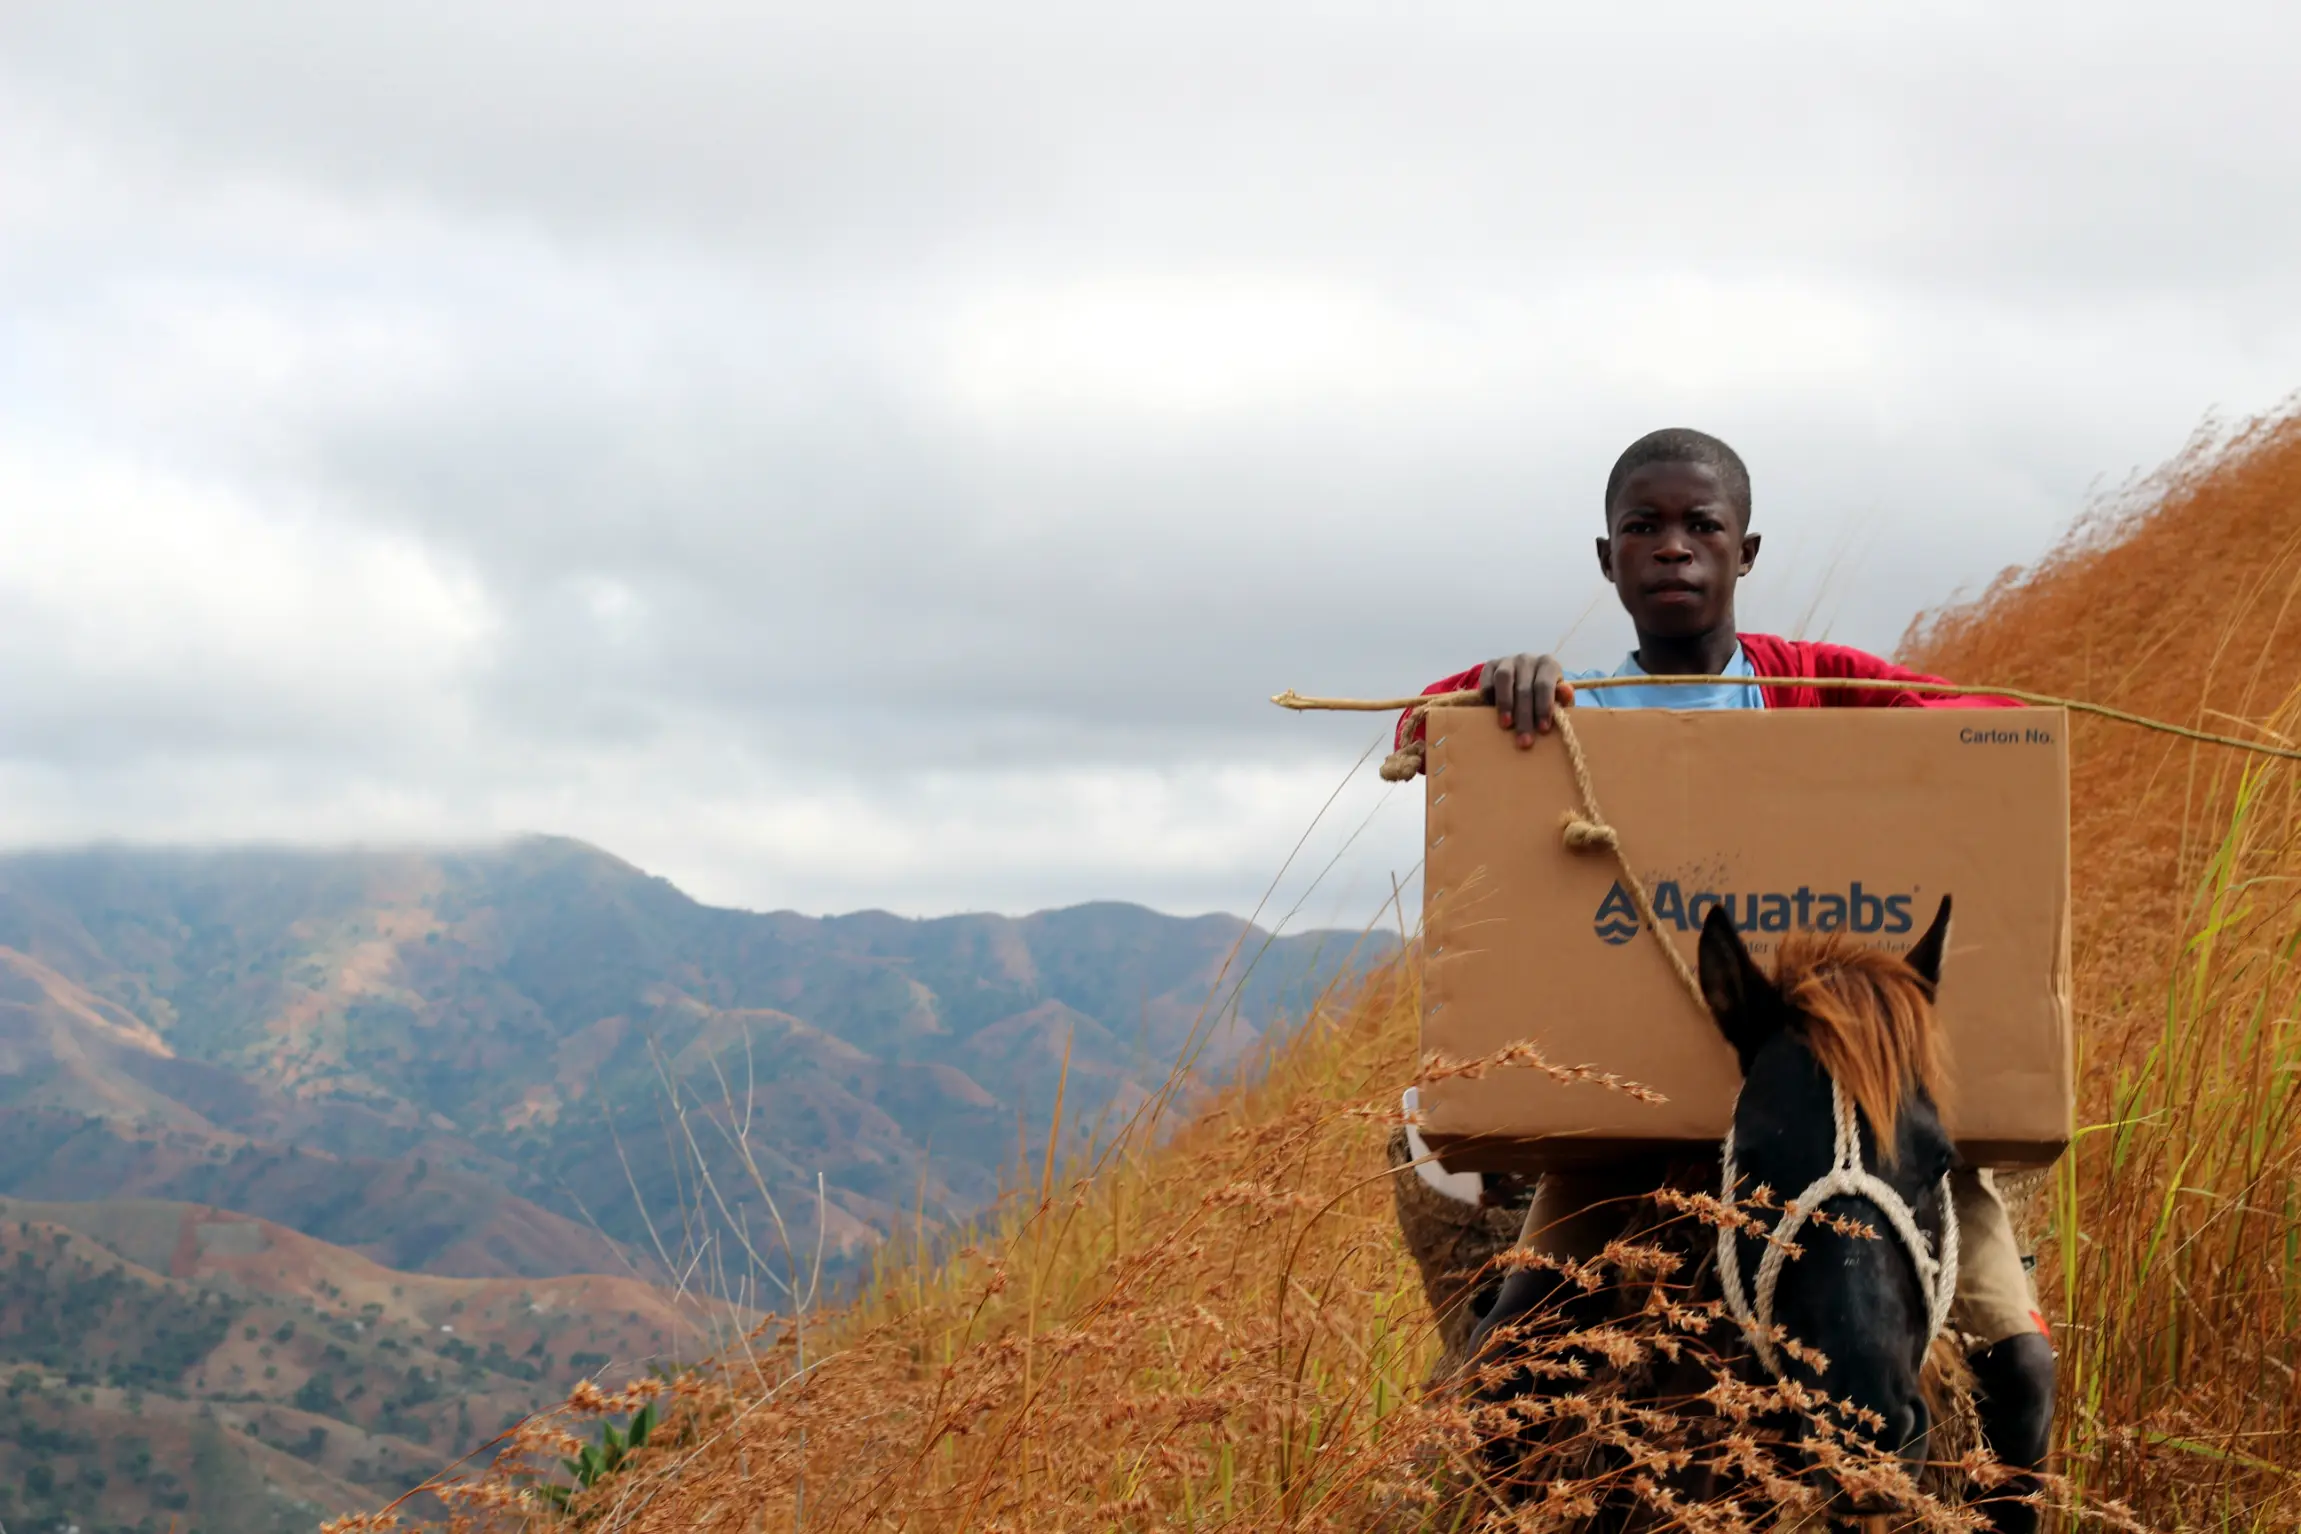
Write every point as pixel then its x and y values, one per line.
pixel 169 1360
pixel 468 1063
pixel 317 1168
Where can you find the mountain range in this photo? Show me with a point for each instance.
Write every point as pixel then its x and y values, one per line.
pixel 506 1065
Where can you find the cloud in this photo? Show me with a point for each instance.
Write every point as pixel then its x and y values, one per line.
pixel 875 456
pixel 156 614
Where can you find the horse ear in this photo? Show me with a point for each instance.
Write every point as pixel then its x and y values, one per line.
pixel 1925 954
pixel 1742 1000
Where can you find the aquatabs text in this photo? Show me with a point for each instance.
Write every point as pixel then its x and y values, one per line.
pixel 1856 908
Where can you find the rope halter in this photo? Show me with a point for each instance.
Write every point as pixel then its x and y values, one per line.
pixel 1846 1178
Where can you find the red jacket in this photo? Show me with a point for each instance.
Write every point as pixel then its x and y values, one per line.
pixel 1771 656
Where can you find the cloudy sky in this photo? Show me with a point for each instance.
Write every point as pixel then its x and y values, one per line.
pixel 860 455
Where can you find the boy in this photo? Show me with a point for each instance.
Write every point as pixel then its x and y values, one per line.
pixel 1677 541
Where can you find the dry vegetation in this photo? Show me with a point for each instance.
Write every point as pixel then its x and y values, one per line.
pixel 2174 1264
pixel 1213 1326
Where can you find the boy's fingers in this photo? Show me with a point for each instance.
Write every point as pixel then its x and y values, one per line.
pixel 1523 689
pixel 1545 685
pixel 1495 686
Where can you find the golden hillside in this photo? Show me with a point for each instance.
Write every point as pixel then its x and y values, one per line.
pixel 175 1359
pixel 1214 1327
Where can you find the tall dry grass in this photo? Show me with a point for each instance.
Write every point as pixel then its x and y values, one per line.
pixel 1215 1328
pixel 1211 1326
pixel 2174 1251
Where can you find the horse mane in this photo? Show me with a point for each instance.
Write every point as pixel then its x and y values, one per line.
pixel 1869 1020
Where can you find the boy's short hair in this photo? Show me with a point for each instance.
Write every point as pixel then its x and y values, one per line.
pixel 1683 444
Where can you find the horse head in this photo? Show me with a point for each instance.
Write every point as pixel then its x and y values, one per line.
pixel 1842 1070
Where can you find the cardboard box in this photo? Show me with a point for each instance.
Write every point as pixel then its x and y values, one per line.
pixel 1865 816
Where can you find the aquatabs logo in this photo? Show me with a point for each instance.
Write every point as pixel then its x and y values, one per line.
pixel 1769 911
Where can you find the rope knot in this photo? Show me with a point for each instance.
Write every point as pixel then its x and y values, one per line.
pixel 1582 835
pixel 1404 764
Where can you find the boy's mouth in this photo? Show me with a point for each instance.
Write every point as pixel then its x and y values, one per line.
pixel 1664 591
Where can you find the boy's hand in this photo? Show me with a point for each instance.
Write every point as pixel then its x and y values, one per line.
pixel 1524 690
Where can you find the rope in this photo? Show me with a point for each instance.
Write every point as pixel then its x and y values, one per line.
pixel 1589 832
pixel 1846 1178
pixel 1290 699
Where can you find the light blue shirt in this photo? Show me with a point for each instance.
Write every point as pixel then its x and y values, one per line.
pixel 1724 693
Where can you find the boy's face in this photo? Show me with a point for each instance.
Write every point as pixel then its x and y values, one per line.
pixel 1674 549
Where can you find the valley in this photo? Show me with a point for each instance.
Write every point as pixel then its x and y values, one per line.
pixel 319 1169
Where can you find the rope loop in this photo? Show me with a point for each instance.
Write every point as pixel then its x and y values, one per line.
pixel 1589 832
pixel 1753 1308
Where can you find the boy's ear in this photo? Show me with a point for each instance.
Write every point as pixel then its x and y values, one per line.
pixel 1606 559
pixel 1749 551
pixel 1925 954
pixel 1742 1000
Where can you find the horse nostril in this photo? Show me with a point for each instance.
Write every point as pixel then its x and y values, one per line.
pixel 1910 1426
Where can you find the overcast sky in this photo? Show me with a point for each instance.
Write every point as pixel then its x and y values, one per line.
pixel 850 455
